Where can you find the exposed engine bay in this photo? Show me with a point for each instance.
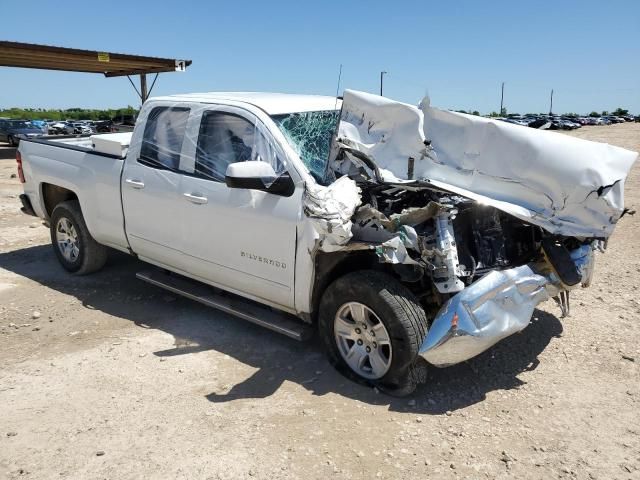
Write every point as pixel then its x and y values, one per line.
pixel 437 239
pixel 452 240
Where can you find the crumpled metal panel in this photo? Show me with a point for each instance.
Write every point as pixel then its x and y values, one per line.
pixel 330 210
pixel 498 305
pixel 566 185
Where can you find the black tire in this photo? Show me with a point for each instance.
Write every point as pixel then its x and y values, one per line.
pixel 92 255
pixel 402 316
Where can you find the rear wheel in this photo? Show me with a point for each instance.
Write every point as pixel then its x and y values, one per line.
pixel 74 246
pixel 372 328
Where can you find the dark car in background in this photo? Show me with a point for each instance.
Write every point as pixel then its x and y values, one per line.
pixel 12 131
pixel 103 126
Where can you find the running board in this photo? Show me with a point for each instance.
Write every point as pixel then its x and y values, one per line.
pixel 230 303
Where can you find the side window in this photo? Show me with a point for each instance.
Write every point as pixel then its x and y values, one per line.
pixel 226 138
pixel 163 135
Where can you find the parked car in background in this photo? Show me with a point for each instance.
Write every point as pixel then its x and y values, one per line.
pixel 571 122
pixel 558 123
pixel 41 124
pixel 82 128
pixel 103 126
pixel 123 123
pixel 614 119
pixel 12 131
pixel 61 128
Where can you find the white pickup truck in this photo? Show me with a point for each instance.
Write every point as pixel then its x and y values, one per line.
pixel 404 235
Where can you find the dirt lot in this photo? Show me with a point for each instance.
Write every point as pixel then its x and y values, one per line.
pixel 107 377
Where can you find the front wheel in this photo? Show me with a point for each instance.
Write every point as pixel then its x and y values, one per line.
pixel 372 328
pixel 74 246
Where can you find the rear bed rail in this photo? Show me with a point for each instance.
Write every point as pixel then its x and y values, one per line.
pixel 71 147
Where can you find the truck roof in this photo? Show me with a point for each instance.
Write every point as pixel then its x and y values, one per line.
pixel 272 103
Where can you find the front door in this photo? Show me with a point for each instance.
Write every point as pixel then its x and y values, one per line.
pixel 240 239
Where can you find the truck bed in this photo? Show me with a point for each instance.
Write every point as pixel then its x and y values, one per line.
pixel 110 144
pixel 94 177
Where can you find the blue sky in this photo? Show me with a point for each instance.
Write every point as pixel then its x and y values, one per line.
pixel 458 51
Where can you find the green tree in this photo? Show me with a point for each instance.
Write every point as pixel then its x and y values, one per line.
pixel 620 112
pixel 74 113
pixel 594 114
pixel 604 112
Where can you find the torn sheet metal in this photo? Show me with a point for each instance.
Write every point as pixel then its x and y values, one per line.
pixel 394 251
pixel 409 216
pixel 498 305
pixel 330 210
pixel 567 186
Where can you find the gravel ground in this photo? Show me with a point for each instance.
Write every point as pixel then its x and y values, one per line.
pixel 107 377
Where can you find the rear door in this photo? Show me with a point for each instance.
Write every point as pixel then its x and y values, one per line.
pixel 151 186
pixel 241 239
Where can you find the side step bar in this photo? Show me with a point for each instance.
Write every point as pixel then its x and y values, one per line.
pixel 264 316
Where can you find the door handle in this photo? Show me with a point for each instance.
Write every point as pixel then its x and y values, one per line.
pixel 134 183
pixel 195 198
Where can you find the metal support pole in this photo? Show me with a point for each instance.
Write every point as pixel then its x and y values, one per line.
pixel 143 88
pixel 501 99
pixel 381 77
pixel 551 104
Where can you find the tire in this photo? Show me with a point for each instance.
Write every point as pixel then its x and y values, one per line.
pixel 405 325
pixel 12 141
pixel 88 256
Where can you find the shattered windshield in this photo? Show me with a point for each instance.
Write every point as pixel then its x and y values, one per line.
pixel 309 134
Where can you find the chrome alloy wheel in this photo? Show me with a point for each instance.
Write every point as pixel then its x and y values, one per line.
pixel 363 340
pixel 67 239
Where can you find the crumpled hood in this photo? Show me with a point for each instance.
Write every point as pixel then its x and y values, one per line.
pixel 565 185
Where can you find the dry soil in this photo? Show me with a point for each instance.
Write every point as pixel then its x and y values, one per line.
pixel 107 377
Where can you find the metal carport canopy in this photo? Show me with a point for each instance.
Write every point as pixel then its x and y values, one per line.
pixel 27 55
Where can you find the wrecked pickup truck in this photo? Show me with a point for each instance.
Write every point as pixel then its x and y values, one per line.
pixel 406 235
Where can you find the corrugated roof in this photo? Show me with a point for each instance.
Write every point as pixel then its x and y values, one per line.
pixel 27 55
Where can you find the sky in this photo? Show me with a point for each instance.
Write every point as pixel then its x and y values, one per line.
pixel 459 52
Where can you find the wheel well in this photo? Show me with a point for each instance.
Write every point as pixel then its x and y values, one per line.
pixel 52 195
pixel 330 266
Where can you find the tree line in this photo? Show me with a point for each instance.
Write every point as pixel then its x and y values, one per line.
pixel 66 114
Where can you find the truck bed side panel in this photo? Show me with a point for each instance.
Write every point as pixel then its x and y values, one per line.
pixel 94 178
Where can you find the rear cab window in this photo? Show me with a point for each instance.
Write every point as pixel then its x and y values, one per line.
pixel 164 134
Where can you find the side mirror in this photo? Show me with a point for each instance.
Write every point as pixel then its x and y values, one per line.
pixel 256 175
